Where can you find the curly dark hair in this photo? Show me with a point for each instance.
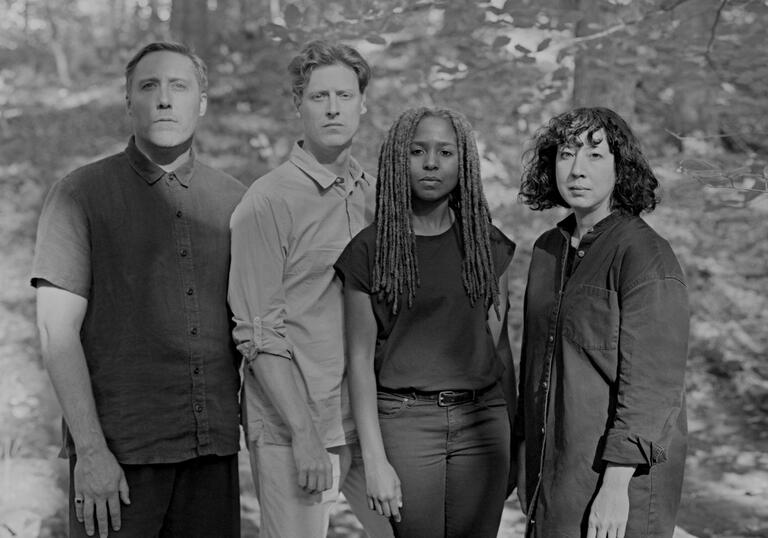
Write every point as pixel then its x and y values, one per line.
pixel 636 184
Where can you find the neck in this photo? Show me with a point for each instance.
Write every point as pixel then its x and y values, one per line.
pixel 335 159
pixel 167 158
pixel 584 222
pixel 431 219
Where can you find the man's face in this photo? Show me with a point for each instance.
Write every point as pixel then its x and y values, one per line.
pixel 330 109
pixel 164 100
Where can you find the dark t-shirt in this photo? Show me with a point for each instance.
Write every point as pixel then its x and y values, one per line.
pixel 442 342
pixel 150 253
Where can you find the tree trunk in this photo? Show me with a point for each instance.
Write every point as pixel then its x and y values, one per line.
pixel 190 25
pixel 602 76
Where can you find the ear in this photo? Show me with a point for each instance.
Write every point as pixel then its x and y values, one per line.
pixel 297 103
pixel 128 105
pixel 363 108
pixel 203 103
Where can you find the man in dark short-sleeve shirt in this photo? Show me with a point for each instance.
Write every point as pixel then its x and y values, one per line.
pixel 131 268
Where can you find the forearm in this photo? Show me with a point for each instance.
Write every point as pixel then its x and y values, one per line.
pixel 276 375
pixel 64 359
pixel 362 391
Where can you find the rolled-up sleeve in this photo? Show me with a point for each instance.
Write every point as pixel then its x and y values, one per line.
pixel 653 346
pixel 256 292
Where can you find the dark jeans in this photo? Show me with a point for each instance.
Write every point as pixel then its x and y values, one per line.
pixel 194 498
pixel 452 462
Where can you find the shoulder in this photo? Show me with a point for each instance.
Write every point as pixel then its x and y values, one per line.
pixel 92 175
pixel 500 240
pixel 502 248
pixel 221 179
pixel 644 253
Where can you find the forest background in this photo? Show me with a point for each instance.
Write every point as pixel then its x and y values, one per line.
pixel 690 76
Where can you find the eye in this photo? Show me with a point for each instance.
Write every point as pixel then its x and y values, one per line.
pixel 594 155
pixel 345 95
pixel 316 97
pixel 566 153
pixel 179 85
pixel 446 153
pixel 148 85
pixel 417 151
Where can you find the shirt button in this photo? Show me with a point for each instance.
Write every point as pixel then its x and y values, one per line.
pixel 198 408
pixel 545 385
pixel 190 291
pixel 196 370
pixel 193 331
pixel 339 181
pixel 183 252
pixel 580 254
pixel 551 338
pixel 179 213
pixel 543 430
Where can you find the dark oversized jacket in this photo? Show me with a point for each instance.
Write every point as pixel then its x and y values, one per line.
pixel 602 375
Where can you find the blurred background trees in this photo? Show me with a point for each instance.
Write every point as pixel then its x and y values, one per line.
pixel 690 76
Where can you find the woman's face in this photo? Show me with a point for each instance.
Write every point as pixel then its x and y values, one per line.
pixel 586 175
pixel 434 160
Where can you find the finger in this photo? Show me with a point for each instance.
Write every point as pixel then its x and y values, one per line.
pixel 622 530
pixel 385 507
pixel 592 531
pixel 394 512
pixel 88 516
pixel 102 519
pixel 328 477
pixel 114 511
pixel 125 491
pixel 303 478
pixel 370 503
pixel 78 500
pixel 379 509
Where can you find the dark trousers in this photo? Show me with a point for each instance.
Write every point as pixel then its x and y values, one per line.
pixel 194 498
pixel 452 463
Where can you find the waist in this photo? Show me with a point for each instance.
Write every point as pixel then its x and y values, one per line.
pixel 443 398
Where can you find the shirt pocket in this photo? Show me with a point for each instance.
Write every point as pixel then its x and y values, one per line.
pixel 591 318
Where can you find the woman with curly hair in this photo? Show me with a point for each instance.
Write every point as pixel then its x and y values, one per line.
pixel 425 355
pixel 602 402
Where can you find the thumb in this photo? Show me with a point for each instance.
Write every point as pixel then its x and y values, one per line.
pixel 124 490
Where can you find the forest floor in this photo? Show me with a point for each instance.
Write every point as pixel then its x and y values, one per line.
pixel 720 240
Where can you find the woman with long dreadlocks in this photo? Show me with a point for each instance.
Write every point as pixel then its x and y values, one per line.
pixel 423 364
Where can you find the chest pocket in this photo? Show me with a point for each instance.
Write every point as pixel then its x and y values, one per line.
pixel 591 318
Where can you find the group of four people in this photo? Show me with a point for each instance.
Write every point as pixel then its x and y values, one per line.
pixel 370 319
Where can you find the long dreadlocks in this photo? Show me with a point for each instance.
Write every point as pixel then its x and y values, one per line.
pixel 395 268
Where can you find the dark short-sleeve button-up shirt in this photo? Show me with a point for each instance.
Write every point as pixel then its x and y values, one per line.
pixel 149 250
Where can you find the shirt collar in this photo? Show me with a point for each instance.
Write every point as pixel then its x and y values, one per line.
pixel 151 173
pixel 568 224
pixel 324 178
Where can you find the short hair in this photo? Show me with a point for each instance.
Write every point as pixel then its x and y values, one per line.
pixel 395 268
pixel 201 71
pixel 321 53
pixel 636 184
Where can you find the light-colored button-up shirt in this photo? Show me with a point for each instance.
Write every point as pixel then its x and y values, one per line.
pixel 286 299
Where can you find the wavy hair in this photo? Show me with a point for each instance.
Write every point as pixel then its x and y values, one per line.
pixel 635 189
pixel 395 268
pixel 321 53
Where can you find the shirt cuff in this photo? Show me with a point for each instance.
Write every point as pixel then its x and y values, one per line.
pixel 626 448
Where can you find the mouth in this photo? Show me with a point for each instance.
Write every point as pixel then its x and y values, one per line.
pixel 165 120
pixel 333 125
pixel 430 180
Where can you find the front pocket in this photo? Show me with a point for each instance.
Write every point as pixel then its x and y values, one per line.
pixel 390 405
pixel 591 318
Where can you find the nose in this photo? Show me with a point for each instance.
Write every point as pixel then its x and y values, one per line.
pixel 430 160
pixel 164 97
pixel 577 169
pixel 333 106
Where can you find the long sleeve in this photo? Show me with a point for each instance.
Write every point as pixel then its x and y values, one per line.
pixel 653 346
pixel 256 292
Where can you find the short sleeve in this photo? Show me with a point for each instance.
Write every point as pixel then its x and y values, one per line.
pixel 502 250
pixel 62 249
pixel 355 265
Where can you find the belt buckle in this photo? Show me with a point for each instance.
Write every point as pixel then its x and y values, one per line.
pixel 443 394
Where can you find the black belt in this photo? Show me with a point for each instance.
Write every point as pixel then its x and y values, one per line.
pixel 444 398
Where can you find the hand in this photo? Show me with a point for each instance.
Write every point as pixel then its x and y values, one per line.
pixel 100 483
pixel 609 512
pixel 315 471
pixel 383 489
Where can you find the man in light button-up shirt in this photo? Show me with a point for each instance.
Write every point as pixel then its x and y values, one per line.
pixel 287 233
